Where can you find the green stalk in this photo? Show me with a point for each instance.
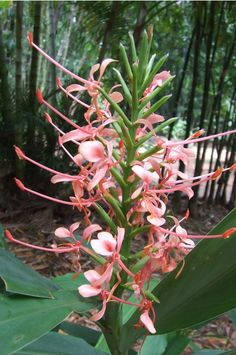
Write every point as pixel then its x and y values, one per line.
pixel 149 152
pixel 115 205
pixel 115 172
pixel 139 230
pixel 102 213
pixel 135 93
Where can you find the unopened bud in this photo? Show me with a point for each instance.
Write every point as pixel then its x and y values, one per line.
pixel 229 232
pixel 39 96
pixel 58 82
pixel 48 117
pixel 19 153
pixel 20 184
pixel 217 174
pixel 8 235
pixel 30 38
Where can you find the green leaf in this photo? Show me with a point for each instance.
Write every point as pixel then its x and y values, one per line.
pixel 154 345
pixel 25 319
pixel 89 335
pixel 57 344
pixel 67 282
pixel 211 352
pixel 21 279
pixel 176 344
pixel 205 288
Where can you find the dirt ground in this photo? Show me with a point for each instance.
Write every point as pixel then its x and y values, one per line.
pixel 34 221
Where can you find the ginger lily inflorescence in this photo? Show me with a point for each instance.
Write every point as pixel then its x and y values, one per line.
pixel 125 172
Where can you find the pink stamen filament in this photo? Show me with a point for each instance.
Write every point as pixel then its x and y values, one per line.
pixel 51 198
pixel 73 97
pixel 52 250
pixel 122 265
pixel 181 188
pixel 84 81
pixel 60 114
pixel 184 236
pixel 188 141
pixel 49 169
pixel 60 131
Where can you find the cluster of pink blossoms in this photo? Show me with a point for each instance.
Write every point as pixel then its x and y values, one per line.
pixel 127 184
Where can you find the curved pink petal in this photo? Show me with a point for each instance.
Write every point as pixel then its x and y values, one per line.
pixel 104 64
pixel 116 96
pixel 88 291
pixel 99 175
pixel 156 221
pixel 62 232
pixel 90 229
pixel 143 174
pixel 76 134
pixel 61 178
pixel 93 69
pixel 75 87
pixel 120 238
pixel 92 151
pixel 100 314
pixel 100 248
pixel 147 322
pixel 105 277
pixel 92 276
pixel 74 226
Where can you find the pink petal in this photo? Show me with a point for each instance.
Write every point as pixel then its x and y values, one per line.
pixel 120 238
pixel 90 229
pixel 116 96
pixel 104 64
pixel 62 232
pixel 74 226
pixel 89 291
pixel 136 192
pixel 92 151
pixel 100 314
pixel 143 174
pixel 155 220
pixel 61 178
pixel 97 178
pixel 76 134
pixel 105 245
pixel 147 322
pixel 75 87
pixel 94 68
pixel 105 277
pixel 92 276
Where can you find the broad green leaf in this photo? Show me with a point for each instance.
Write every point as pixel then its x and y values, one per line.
pixel 154 345
pixel 176 343
pixel 21 279
pixel 89 335
pixel 24 319
pixel 57 344
pixel 205 288
pixel 5 4
pixel 67 282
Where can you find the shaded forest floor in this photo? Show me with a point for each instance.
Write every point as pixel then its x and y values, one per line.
pixel 34 221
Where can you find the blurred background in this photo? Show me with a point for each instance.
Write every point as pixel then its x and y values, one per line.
pixel 200 38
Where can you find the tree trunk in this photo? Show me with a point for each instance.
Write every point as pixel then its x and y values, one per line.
pixel 19 122
pixel 33 79
pixel 8 134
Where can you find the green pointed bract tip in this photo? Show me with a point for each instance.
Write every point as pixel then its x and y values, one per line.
pixel 151 296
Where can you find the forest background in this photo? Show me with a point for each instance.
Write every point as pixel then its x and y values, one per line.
pixel 200 38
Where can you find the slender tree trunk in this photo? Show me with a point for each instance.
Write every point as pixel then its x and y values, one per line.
pixel 8 134
pixel 33 78
pixel 52 51
pixel 205 97
pixel 109 27
pixel 140 23
pixel 180 84
pixel 19 122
